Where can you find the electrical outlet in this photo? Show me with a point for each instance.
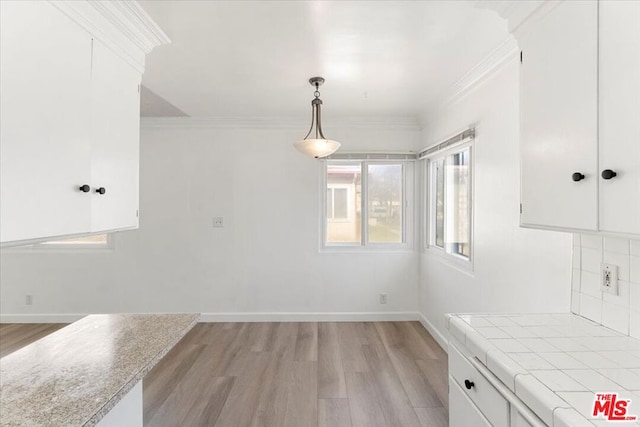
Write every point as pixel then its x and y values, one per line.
pixel 609 278
pixel 28 300
pixel 383 298
pixel 218 222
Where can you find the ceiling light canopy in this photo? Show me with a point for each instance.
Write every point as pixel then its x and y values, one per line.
pixel 315 144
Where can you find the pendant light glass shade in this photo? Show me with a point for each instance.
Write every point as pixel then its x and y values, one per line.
pixel 315 144
pixel 317 147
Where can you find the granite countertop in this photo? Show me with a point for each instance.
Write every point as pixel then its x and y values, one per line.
pixel 76 375
pixel 555 363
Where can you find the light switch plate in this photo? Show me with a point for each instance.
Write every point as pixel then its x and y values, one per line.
pixel 609 278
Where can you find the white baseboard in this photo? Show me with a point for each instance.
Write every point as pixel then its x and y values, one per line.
pixel 311 317
pixel 435 333
pixel 40 318
pixel 240 317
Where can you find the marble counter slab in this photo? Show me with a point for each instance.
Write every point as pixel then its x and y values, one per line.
pixel 76 375
pixel 555 363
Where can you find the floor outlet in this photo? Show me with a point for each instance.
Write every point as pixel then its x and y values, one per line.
pixel 383 298
pixel 609 278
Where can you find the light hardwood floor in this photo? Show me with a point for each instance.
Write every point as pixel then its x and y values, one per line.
pixel 296 374
pixel 14 336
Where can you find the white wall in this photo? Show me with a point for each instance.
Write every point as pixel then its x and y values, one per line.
pixel 620 312
pixel 515 269
pixel 265 259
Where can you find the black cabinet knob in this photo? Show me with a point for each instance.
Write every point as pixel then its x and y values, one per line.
pixel 608 174
pixel 577 176
pixel 85 188
pixel 468 384
pixel 101 190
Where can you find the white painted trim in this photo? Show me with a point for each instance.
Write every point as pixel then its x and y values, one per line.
pixel 133 21
pixel 493 62
pixel 401 316
pixel 277 122
pixel 518 14
pixel 122 26
pixel 505 51
pixel 435 333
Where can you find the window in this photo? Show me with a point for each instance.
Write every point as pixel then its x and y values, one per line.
pixel 366 203
pixel 449 206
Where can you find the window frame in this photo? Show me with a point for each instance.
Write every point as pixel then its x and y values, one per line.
pixel 429 235
pixel 408 215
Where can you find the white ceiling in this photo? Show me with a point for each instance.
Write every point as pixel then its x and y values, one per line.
pixel 253 58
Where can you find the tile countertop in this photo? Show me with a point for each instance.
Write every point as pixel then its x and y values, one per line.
pixel 555 363
pixel 76 375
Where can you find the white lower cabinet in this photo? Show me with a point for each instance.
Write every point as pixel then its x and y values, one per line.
pixel 462 412
pixel 474 401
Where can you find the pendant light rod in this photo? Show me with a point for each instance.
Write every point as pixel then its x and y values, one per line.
pixel 319 146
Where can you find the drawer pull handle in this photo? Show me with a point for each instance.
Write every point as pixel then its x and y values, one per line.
pixel 85 188
pixel 468 384
pixel 101 190
pixel 608 174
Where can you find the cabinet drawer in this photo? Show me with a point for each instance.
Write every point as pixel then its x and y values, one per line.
pixel 465 413
pixel 494 407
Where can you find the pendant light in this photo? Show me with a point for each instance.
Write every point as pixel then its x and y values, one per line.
pixel 315 144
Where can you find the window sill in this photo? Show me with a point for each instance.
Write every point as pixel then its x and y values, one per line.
pixel 358 249
pixel 465 266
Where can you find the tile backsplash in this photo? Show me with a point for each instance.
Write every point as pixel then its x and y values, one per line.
pixel 621 312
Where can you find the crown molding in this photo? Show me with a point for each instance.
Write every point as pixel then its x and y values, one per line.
pixel 506 51
pixel 133 21
pixel 518 13
pixel 492 62
pixel 283 122
pixel 121 25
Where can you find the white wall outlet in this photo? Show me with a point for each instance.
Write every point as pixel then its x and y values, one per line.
pixel 383 298
pixel 28 299
pixel 218 222
pixel 609 278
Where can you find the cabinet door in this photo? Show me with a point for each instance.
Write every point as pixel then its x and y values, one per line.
pixel 116 140
pixel 462 412
pixel 558 102
pixel 619 103
pixel 45 143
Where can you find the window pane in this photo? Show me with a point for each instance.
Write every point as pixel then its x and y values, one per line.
pixel 437 174
pixel 385 203
pixel 340 203
pixel 458 190
pixel 329 203
pixel 344 185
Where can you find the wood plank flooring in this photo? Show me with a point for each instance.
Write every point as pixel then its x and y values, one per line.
pixel 384 374
pixel 356 374
pixel 14 336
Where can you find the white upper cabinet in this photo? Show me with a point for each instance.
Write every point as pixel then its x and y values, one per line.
pixel 619 109
pixel 115 127
pixel 559 118
pixel 70 116
pixel 580 110
pixel 45 149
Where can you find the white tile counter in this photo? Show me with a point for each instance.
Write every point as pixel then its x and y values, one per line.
pixel 75 376
pixel 554 363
